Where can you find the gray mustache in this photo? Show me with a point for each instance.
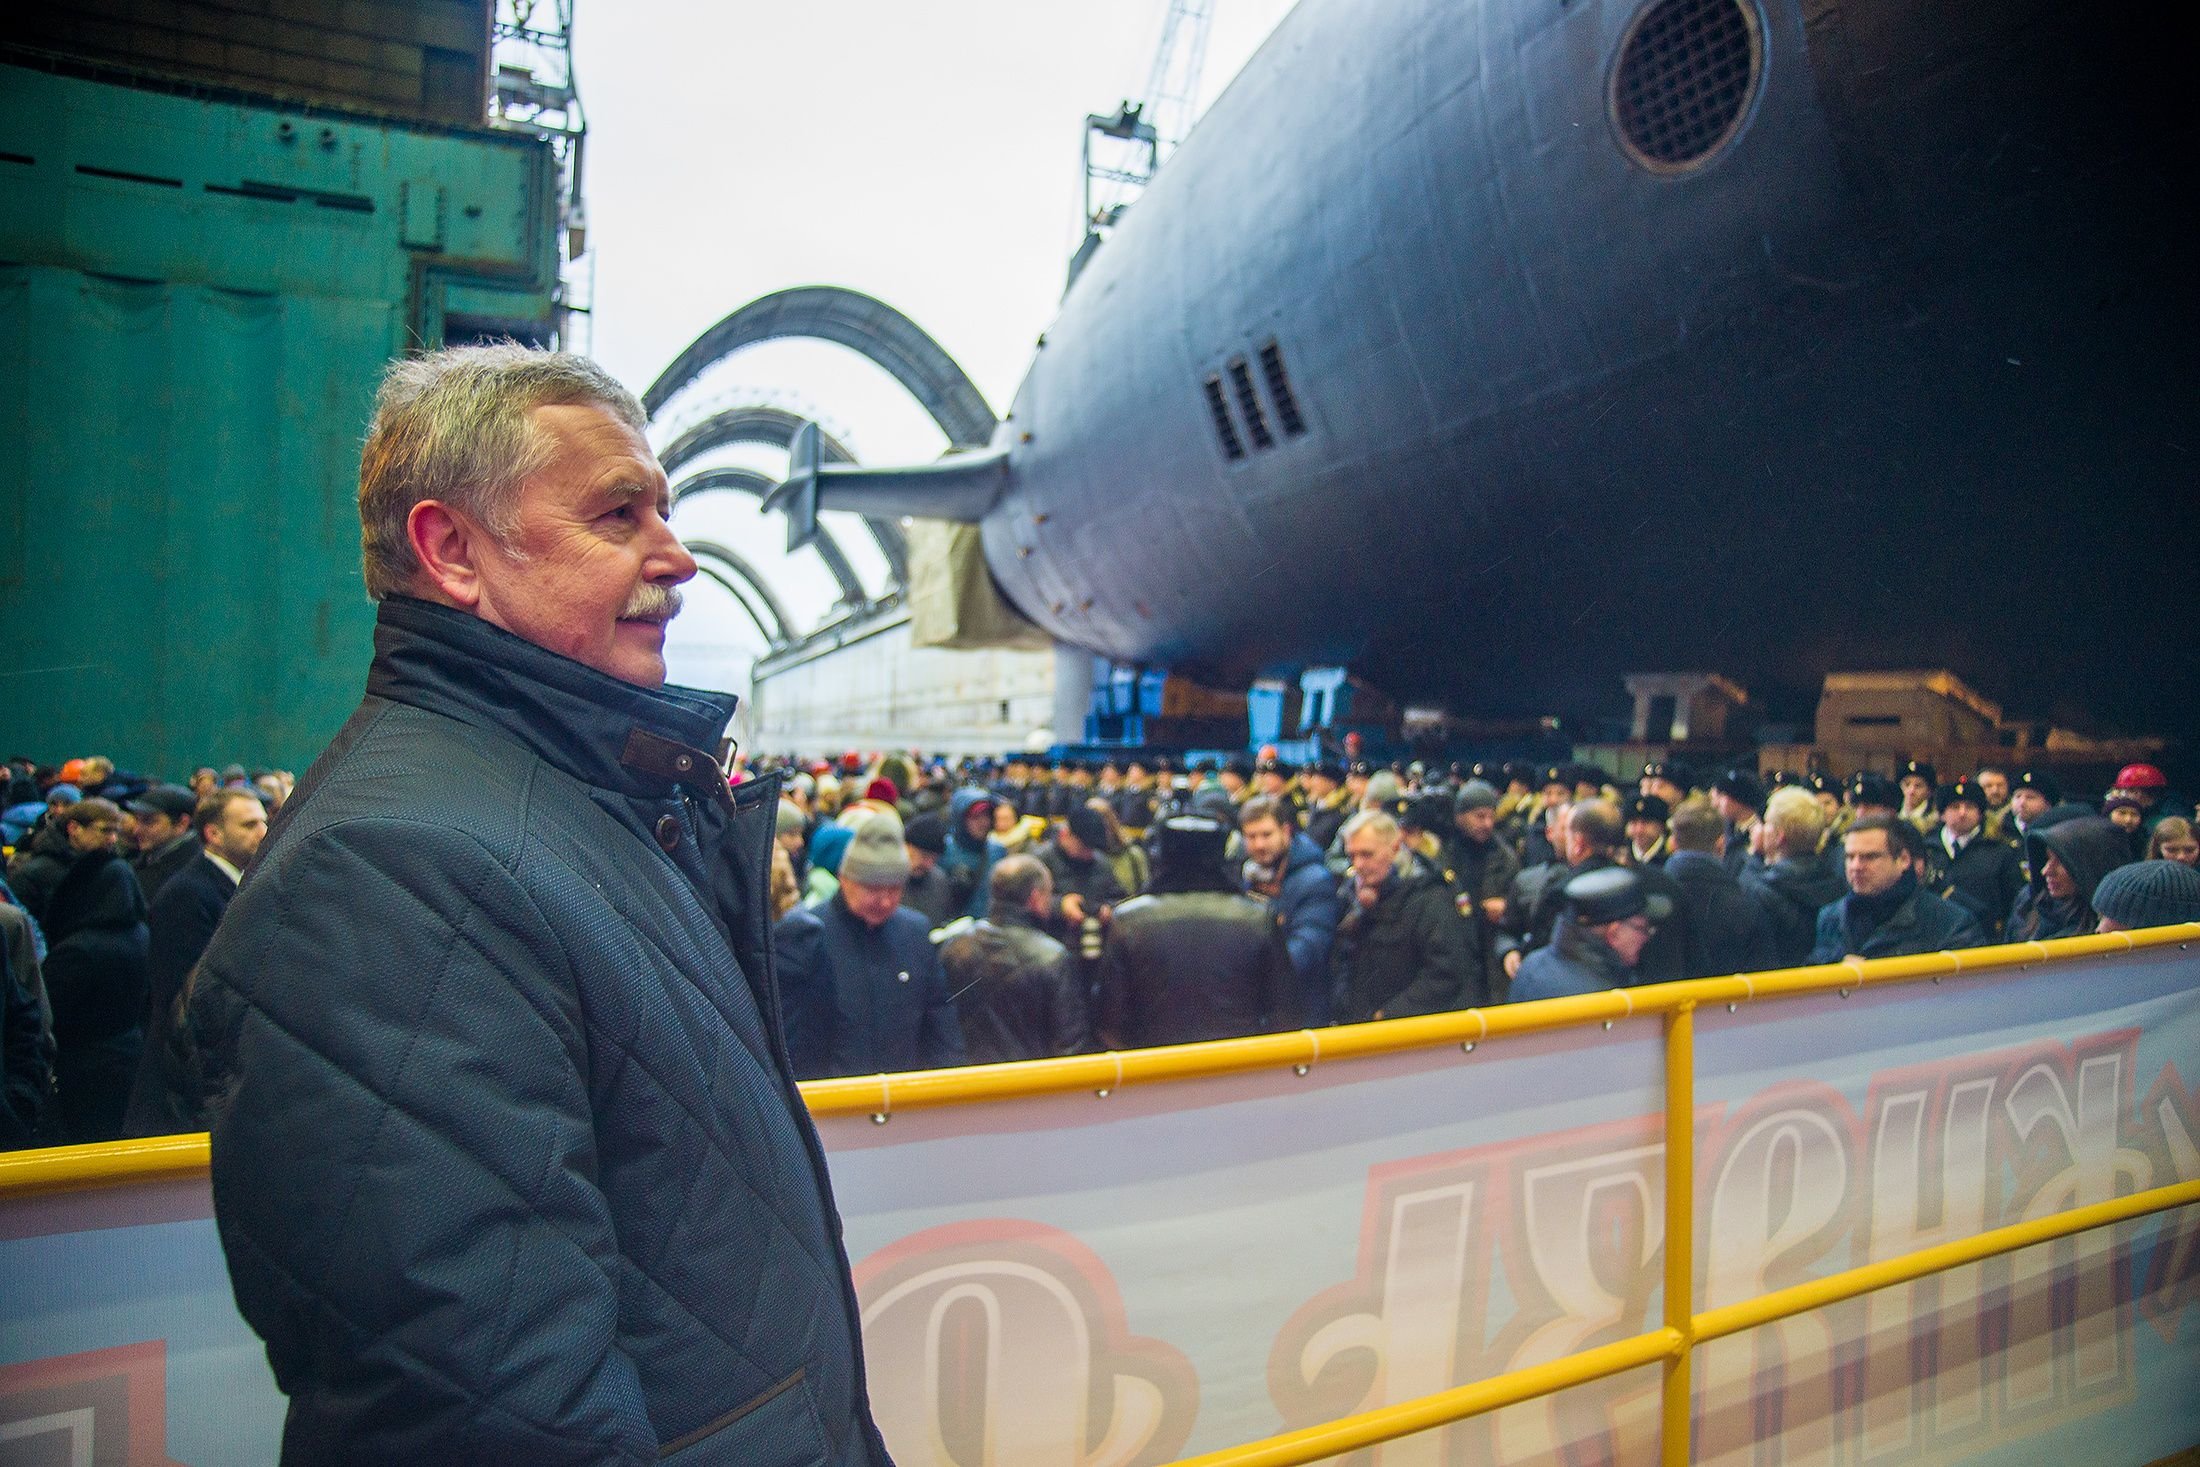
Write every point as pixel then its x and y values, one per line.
pixel 659 604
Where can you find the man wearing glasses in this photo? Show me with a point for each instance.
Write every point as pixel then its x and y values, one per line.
pixel 1608 917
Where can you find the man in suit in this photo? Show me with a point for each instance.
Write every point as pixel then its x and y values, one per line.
pixel 230 825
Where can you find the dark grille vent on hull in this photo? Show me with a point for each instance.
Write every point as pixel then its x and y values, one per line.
pixel 1256 421
pixel 1233 447
pixel 1279 391
pixel 1686 74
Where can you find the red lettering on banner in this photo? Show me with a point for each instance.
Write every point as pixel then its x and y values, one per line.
pixel 1780 1197
pixel 1000 1344
pixel 2170 1124
pixel 1477 1262
pixel 1575 1217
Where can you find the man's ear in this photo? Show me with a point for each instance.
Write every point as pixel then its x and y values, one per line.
pixel 448 547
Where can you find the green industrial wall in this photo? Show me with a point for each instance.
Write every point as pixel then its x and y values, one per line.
pixel 197 296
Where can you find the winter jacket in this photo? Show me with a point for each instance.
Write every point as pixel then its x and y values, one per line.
pixel 1793 891
pixel 1921 923
pixel 822 879
pixel 1664 958
pixel 969 864
pixel 2089 847
pixel 95 953
pixel 182 919
pixel 863 1000
pixel 1016 990
pixel 1410 953
pixel 931 896
pixel 1092 879
pixel 157 867
pixel 26 1070
pixel 1190 965
pixel 1727 930
pixel 1576 961
pixel 1983 877
pixel 1308 909
pixel 40 863
pixel 1486 868
pixel 507 1159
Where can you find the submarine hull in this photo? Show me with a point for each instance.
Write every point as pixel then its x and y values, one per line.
pixel 1900 371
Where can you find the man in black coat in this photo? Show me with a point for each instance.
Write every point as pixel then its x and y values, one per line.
pixel 1593 833
pixel 1193 959
pixel 507 1162
pixel 1403 947
pixel 1965 865
pixel 230 825
pixel 1796 879
pixel 26 1068
pixel 864 990
pixel 928 893
pixel 1729 931
pixel 1085 888
pixel 1888 913
pixel 95 975
pixel 1016 990
pixel 165 842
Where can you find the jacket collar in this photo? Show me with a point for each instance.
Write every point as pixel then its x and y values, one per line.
pixel 606 733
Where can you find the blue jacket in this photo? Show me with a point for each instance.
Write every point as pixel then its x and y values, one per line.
pixel 1574 961
pixel 969 865
pixel 862 1000
pixel 507 1159
pixel 1307 909
pixel 1923 923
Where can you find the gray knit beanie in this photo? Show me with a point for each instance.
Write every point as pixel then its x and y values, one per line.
pixel 2149 894
pixel 1475 794
pixel 1382 788
pixel 876 855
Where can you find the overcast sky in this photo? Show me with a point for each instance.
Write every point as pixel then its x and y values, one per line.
pixel 923 153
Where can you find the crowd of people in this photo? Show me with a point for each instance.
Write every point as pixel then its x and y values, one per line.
pixel 114 884
pixel 930 914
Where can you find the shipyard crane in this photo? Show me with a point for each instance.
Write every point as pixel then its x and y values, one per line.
pixel 532 50
pixel 1122 151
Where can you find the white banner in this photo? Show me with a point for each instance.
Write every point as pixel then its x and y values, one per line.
pixel 1077 1281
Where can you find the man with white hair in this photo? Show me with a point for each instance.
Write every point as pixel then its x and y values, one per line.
pixel 1403 948
pixel 508 1161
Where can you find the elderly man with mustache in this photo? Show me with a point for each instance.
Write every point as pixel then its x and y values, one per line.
pixel 508 1161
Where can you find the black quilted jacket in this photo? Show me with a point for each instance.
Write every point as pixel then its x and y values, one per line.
pixel 507 1162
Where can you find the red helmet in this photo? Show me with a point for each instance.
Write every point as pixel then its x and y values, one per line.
pixel 2140 777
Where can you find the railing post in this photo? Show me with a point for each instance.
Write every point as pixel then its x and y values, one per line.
pixel 1680 1227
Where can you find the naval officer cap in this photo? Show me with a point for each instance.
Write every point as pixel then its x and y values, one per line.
pixel 1612 894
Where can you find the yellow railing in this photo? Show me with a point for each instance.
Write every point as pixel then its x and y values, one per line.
pixel 183 1157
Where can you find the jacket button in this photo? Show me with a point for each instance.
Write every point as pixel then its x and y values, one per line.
pixel 668 832
pixel 683 764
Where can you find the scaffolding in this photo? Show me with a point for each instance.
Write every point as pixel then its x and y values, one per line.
pixel 531 55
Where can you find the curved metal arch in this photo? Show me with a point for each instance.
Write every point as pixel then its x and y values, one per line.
pixel 749 481
pixel 775 428
pixel 859 322
pixel 754 423
pixel 772 621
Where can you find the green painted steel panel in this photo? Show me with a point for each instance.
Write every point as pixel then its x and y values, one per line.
pixel 188 355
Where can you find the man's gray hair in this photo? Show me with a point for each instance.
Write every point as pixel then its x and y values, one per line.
pixel 1013 881
pixel 453 426
pixel 1379 821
